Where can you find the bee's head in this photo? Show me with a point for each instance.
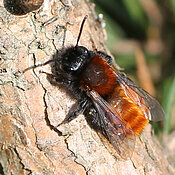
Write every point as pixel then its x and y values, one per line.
pixel 74 59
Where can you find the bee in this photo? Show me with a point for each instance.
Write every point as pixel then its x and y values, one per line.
pixel 112 104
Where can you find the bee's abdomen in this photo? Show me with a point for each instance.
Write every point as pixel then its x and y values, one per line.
pixel 130 112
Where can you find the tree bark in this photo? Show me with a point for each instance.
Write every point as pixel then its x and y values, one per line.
pixel 31 106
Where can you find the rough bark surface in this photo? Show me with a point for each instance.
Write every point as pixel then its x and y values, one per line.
pixel 30 105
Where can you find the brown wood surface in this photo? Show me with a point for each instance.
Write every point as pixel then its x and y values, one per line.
pixel 31 106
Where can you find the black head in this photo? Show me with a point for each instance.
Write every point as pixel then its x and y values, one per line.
pixel 74 59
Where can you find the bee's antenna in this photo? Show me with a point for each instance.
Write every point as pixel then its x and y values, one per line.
pixel 38 65
pixel 81 28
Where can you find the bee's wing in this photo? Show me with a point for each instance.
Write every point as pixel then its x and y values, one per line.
pixel 119 133
pixel 153 110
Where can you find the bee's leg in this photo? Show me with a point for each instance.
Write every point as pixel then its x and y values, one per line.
pixel 93 119
pixel 77 109
pixel 83 101
pixel 56 79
